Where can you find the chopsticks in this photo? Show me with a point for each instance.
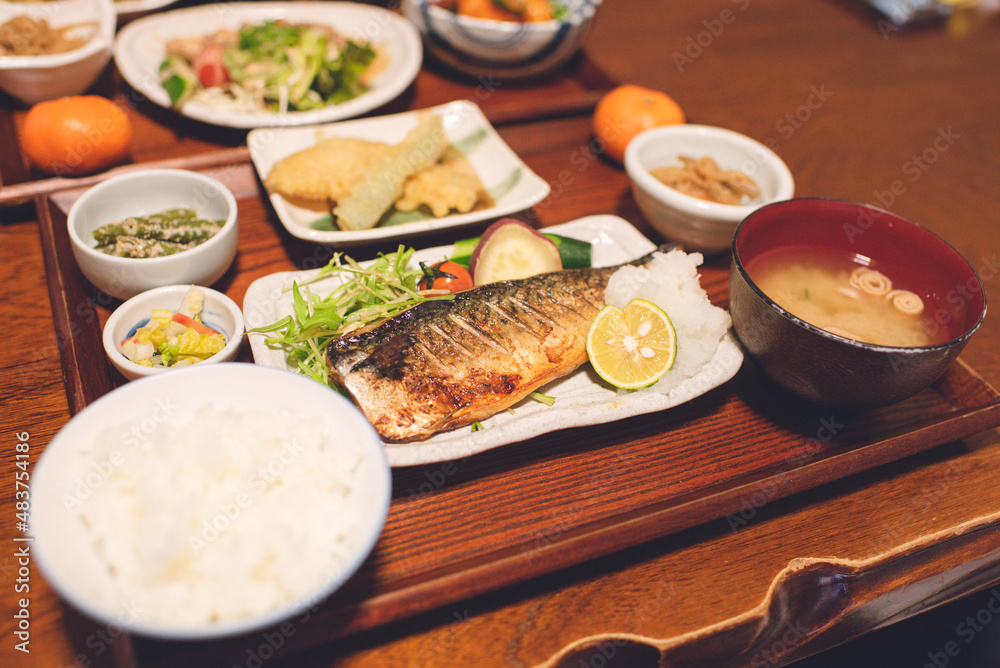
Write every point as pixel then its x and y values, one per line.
pixel 20 192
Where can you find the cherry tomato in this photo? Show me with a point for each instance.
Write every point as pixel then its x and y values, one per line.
pixel 209 68
pixel 446 275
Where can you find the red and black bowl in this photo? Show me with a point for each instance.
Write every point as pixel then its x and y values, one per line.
pixel 824 367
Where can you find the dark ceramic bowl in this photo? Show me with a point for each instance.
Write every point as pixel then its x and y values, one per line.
pixel 830 369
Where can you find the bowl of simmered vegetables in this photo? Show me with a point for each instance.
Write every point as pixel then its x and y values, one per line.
pixel 847 305
pixel 153 227
pixel 502 40
pixel 54 49
pixel 695 183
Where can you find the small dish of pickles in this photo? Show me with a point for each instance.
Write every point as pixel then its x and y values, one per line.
pixel 172 327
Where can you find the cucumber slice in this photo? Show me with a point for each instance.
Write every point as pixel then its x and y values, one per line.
pixel 178 79
pixel 573 252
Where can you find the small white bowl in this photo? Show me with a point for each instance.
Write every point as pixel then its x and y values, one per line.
pixel 33 79
pixel 698 224
pixel 501 50
pixel 114 439
pixel 145 192
pixel 220 313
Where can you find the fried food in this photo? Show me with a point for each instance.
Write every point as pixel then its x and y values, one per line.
pixel 362 179
pixel 450 185
pixel 382 183
pixel 330 170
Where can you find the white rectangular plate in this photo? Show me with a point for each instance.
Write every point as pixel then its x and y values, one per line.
pixel 494 161
pixel 581 398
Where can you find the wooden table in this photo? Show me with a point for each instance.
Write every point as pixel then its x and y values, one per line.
pixel 720 533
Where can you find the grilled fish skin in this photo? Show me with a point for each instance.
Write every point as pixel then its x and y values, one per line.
pixel 444 364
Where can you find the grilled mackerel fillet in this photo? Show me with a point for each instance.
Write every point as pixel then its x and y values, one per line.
pixel 447 363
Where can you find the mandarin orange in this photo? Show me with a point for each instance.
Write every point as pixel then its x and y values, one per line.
pixel 626 110
pixel 75 135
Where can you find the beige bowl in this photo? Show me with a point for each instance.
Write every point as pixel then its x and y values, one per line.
pixel 141 193
pixel 698 224
pixel 33 79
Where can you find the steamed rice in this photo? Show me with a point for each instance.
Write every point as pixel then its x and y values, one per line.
pixel 229 516
pixel 671 282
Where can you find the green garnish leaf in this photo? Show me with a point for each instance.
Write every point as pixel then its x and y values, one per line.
pixel 366 295
pixel 543 398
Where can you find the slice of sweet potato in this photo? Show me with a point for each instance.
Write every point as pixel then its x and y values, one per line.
pixel 510 249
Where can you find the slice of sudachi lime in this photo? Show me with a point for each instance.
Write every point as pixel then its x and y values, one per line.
pixel 632 347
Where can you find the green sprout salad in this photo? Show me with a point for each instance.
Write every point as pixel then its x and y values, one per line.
pixel 273 66
pixel 367 295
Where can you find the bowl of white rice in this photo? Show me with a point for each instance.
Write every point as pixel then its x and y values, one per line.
pixel 209 503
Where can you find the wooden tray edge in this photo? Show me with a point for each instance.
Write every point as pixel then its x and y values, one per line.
pixel 87 376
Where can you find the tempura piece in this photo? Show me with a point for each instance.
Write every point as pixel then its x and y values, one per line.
pixel 382 183
pixel 450 185
pixel 329 170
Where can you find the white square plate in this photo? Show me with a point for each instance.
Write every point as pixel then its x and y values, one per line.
pixel 513 185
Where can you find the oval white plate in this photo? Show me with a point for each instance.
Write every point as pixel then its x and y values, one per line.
pixel 581 399
pixel 140 48
pixel 500 169
pixel 64 474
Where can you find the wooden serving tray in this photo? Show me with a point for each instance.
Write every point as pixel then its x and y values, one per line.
pixel 468 527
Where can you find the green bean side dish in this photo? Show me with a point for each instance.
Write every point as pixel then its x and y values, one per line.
pixel 156 235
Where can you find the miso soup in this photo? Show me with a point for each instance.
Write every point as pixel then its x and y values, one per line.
pixel 846 295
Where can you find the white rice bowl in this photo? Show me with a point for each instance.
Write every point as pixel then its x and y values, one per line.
pixel 671 281
pixel 210 502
